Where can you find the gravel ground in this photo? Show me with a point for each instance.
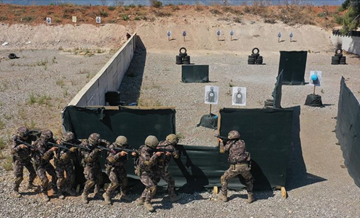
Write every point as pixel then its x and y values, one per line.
pixel 318 185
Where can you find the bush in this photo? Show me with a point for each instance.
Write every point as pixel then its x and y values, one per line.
pixel 104 13
pixel 155 3
pixel 111 8
pixel 125 17
pixel 8 164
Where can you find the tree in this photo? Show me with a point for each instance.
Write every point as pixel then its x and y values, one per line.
pixel 351 19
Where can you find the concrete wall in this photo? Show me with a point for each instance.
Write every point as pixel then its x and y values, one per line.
pixel 348 43
pixel 108 78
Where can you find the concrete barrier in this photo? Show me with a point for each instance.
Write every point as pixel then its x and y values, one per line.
pixel 349 44
pixel 108 78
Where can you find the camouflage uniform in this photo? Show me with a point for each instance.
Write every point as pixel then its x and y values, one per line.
pixel 239 166
pixel 148 171
pixel 22 158
pixel 42 162
pixel 163 164
pixel 64 162
pixel 116 171
pixel 91 163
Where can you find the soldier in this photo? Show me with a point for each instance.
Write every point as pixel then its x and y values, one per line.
pixel 91 163
pixel 115 168
pixel 239 160
pixel 146 169
pixel 21 155
pixel 42 162
pixel 163 164
pixel 63 161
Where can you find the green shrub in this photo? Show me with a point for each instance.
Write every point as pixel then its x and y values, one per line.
pixel 156 3
pixel 111 8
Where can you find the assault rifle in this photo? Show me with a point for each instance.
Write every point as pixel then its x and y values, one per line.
pixel 75 145
pixel 224 138
pixel 58 146
pixel 28 145
pixel 116 149
pixel 162 149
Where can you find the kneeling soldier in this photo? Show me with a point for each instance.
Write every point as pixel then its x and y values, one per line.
pixel 115 168
pixel 239 160
pixel 21 155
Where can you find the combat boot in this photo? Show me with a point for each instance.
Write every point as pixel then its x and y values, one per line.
pixel 84 198
pixel 61 195
pixel 45 197
pixel 174 198
pixel 16 193
pixel 140 201
pixel 107 198
pixel 223 196
pixel 31 186
pixel 70 191
pixel 148 206
pixel 96 191
pixel 123 196
pixel 251 198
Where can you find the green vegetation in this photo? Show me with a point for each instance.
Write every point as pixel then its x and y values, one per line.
pixel 156 3
pixel 60 82
pixel 351 19
pixel 111 8
pixel 7 165
pixel 2 143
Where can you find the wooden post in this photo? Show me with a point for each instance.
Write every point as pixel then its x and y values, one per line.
pixel 314 89
pixel 210 108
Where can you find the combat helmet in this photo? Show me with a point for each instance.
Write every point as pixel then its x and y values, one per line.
pixel 68 137
pixel 233 134
pixel 121 141
pixel 151 141
pixel 94 138
pixel 23 132
pixel 46 134
pixel 172 138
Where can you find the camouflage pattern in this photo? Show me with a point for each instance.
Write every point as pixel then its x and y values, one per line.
pixel 237 151
pixel 163 164
pixel 233 134
pixel 115 169
pixel 149 170
pixel 43 165
pixel 92 167
pixel 239 170
pixel 239 159
pixel 21 158
pixel 64 162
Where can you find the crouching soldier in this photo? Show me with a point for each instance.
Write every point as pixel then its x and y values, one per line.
pixel 63 161
pixel 239 160
pixel 163 161
pixel 21 155
pixel 147 169
pixel 91 163
pixel 115 167
pixel 42 157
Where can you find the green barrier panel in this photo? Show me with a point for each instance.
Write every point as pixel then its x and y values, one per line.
pixel 198 166
pixel 195 73
pixel 267 134
pixel 348 130
pixel 293 63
